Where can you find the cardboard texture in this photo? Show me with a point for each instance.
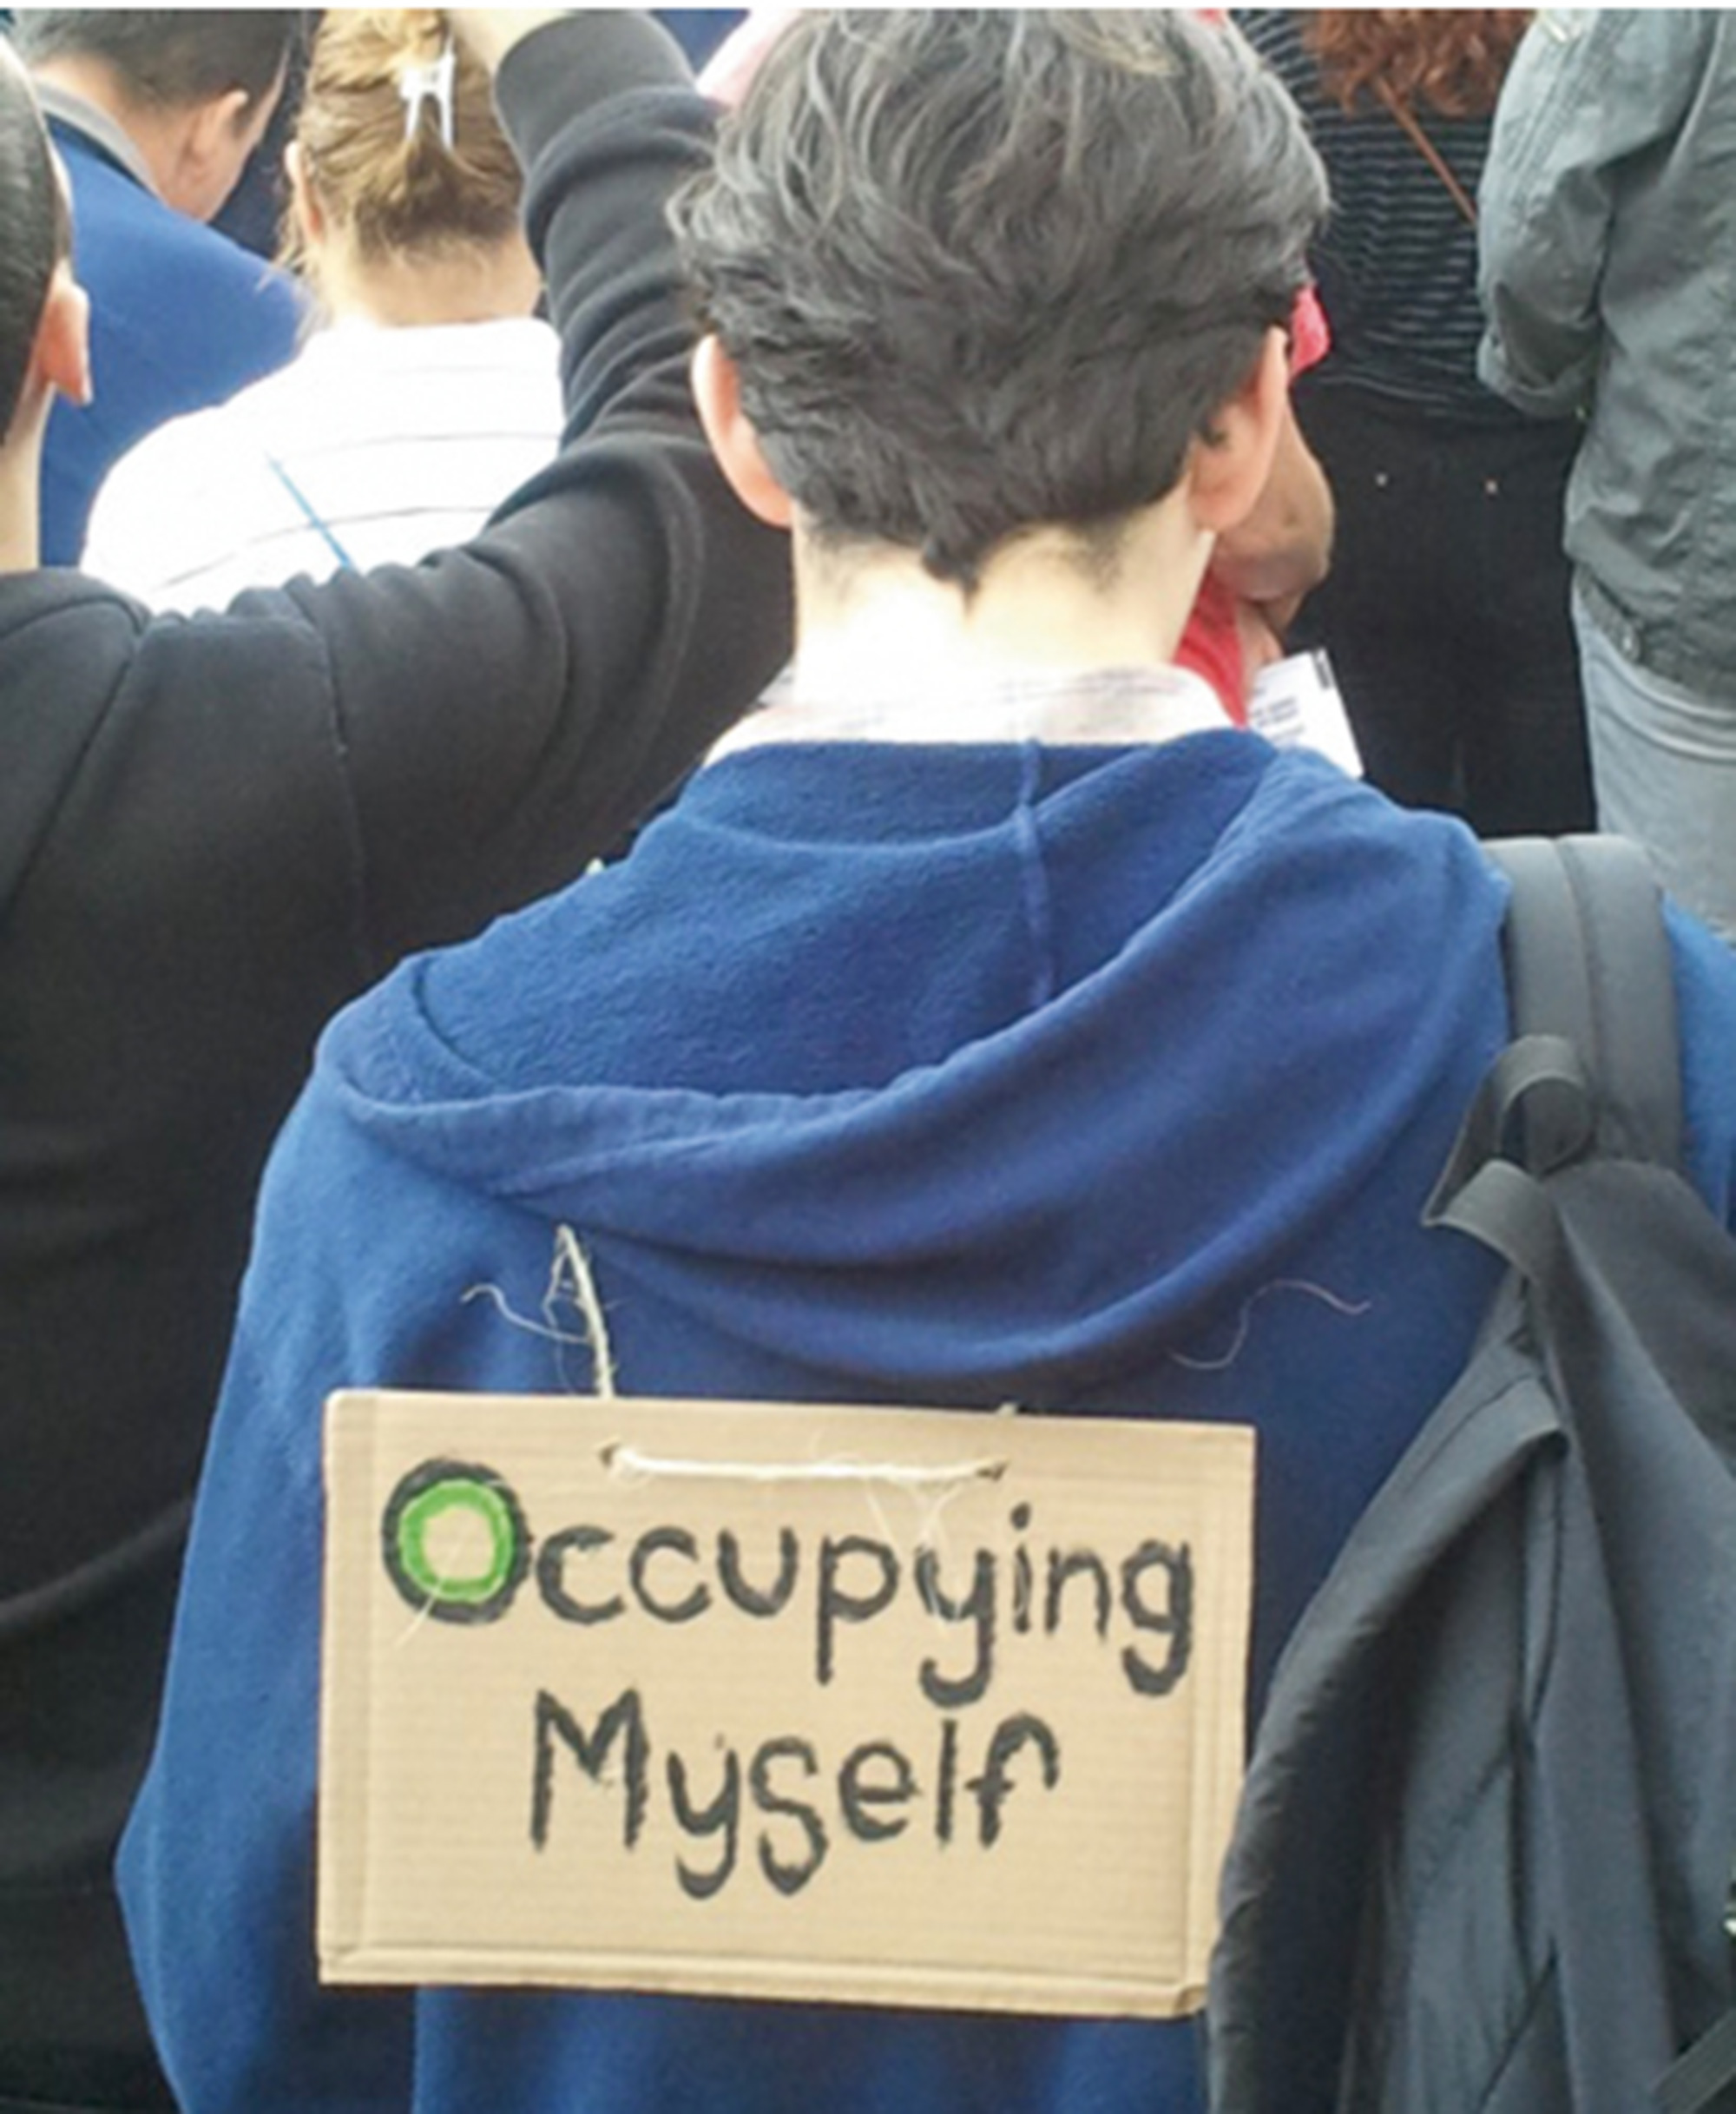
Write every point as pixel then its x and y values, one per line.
pixel 886 1706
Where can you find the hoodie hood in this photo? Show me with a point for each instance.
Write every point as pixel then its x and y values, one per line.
pixel 906 1052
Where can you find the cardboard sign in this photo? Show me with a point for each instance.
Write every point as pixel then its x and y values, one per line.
pixel 883 1706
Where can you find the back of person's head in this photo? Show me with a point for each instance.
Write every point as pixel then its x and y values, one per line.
pixel 33 231
pixel 983 270
pixel 406 159
pixel 166 58
pixel 1453 59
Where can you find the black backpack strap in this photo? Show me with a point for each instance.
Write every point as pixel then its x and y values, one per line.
pixel 1589 960
pixel 1591 984
pixel 1698 2081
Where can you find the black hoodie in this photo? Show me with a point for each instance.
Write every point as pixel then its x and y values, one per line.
pixel 213 833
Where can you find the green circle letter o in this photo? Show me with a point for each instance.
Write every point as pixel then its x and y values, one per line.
pixel 435 1492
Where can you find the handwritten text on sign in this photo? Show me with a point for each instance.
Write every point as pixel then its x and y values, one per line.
pixel 884 1705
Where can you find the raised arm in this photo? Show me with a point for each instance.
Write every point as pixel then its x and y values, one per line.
pixel 507 710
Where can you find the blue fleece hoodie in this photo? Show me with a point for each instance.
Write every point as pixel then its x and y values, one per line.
pixel 1102 1080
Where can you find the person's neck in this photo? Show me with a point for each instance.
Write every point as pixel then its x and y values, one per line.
pixel 21 458
pixel 872 620
pixel 472 285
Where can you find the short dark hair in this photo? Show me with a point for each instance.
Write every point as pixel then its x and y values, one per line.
pixel 35 231
pixel 984 269
pixel 167 57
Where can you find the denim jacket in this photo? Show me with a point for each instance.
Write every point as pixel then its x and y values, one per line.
pixel 1608 276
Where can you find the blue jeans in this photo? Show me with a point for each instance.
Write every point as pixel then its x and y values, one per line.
pixel 1663 761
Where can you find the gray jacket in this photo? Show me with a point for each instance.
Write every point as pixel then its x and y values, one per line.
pixel 1609 275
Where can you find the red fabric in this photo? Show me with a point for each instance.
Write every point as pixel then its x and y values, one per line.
pixel 1311 337
pixel 1212 646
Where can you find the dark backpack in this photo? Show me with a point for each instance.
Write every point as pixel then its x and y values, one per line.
pixel 1483 1856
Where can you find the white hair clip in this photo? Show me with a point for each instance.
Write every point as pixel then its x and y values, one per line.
pixel 420 84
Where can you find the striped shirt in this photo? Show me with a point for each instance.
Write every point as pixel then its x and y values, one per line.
pixel 374 447
pixel 1396 264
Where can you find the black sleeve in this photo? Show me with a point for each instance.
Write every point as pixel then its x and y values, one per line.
pixel 505 711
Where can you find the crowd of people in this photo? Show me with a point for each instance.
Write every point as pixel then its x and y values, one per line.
pixel 676 681
pixel 430 388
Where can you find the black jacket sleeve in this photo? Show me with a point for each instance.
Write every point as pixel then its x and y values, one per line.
pixel 505 712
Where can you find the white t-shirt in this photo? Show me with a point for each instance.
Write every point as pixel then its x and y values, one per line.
pixel 373 446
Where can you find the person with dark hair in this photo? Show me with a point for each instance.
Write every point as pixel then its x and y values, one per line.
pixel 213 832
pixel 1446 609
pixel 989 1023
pixel 154 112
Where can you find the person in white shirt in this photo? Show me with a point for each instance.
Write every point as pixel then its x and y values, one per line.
pixel 431 392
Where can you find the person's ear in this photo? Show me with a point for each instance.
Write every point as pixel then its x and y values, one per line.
pixel 717 391
pixel 61 357
pixel 211 145
pixel 304 196
pixel 1229 463
pixel 214 125
pixel 226 119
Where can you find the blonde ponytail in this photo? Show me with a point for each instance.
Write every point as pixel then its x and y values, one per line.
pixel 421 171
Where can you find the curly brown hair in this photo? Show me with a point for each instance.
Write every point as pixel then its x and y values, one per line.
pixel 1453 59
